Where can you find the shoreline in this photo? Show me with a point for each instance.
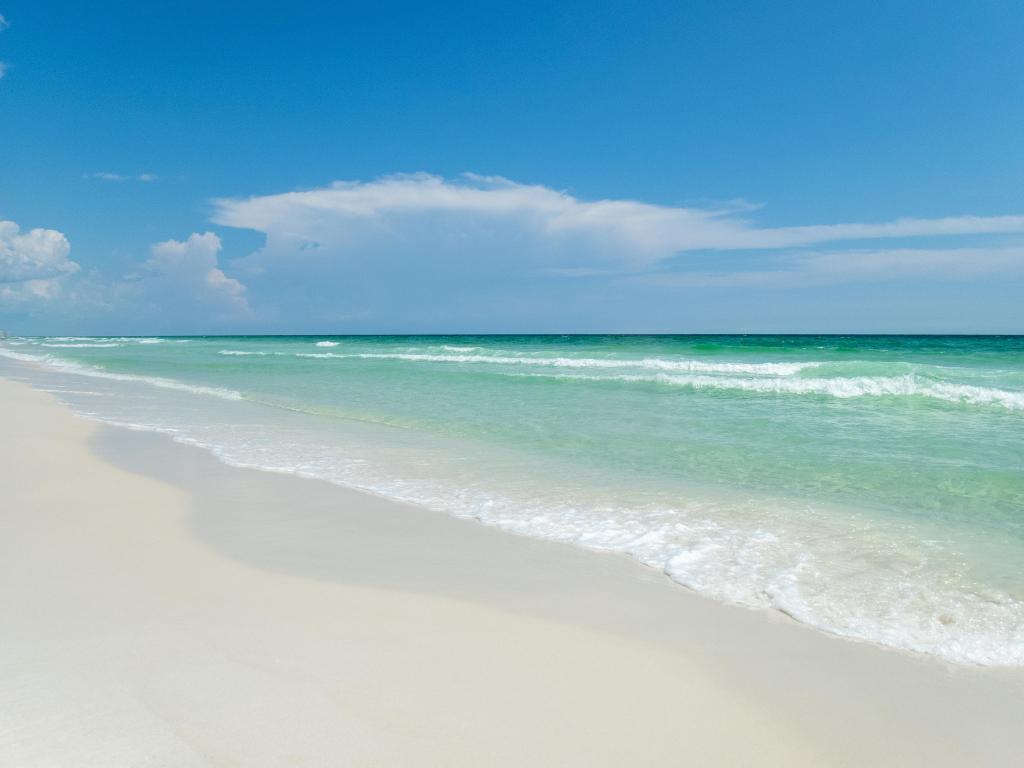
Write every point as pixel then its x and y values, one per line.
pixel 846 547
pixel 372 632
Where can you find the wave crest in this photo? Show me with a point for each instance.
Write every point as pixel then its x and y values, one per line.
pixel 908 385
pixel 651 363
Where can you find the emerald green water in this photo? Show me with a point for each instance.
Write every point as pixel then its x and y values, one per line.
pixel 870 486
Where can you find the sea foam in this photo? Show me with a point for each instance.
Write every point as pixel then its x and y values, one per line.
pixel 68 366
pixel 908 385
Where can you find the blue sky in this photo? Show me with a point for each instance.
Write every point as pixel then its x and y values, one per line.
pixel 561 167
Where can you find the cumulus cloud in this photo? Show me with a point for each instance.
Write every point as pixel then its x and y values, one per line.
pixel 32 264
pixel 179 285
pixel 38 253
pixel 189 268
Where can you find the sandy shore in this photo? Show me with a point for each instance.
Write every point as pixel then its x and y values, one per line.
pixel 159 608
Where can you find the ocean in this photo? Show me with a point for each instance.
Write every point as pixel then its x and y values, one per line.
pixel 869 486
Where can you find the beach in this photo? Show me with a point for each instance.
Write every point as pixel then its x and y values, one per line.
pixel 162 608
pixel 498 385
pixel 870 487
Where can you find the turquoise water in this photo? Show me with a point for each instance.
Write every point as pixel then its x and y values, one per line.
pixel 870 486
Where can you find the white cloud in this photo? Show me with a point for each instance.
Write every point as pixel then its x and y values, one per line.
pixel 32 264
pixel 190 269
pixel 179 285
pixel 423 251
pixel 4 66
pixel 419 251
pixel 569 233
pixel 38 253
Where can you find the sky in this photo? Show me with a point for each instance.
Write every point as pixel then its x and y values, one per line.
pixel 555 167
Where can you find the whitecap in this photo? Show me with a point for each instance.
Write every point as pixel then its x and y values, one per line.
pixel 766 369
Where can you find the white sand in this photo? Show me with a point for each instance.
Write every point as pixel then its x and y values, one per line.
pixel 160 609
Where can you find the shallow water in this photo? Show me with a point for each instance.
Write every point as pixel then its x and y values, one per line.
pixel 869 486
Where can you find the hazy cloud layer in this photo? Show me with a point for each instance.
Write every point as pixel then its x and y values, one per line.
pixel 807 269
